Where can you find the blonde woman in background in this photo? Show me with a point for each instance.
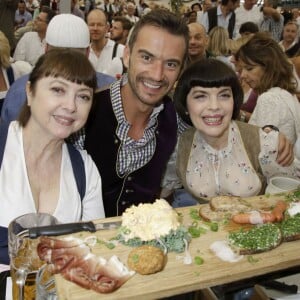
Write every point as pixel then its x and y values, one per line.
pixel 9 70
pixel 219 44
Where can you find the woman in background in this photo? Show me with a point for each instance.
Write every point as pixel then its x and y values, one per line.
pixel 266 69
pixel 9 70
pixel 219 45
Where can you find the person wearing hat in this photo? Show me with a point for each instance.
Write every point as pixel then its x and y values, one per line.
pixel 63 31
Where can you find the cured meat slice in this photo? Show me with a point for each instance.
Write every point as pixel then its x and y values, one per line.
pixel 74 261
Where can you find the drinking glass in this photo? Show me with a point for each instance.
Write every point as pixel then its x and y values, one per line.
pixel 45 284
pixel 24 260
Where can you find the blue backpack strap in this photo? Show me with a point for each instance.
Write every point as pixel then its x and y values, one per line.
pixel 3 230
pixel 76 159
pixel 10 75
pixel 3 135
pixel 78 169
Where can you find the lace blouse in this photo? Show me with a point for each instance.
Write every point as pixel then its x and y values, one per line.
pixel 280 108
pixel 228 171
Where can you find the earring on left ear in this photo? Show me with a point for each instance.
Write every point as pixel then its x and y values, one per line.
pixel 186 112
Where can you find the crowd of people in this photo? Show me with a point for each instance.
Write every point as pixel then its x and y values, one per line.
pixel 120 103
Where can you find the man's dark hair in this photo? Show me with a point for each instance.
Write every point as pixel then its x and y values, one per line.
pixel 164 19
pixel 207 73
pixel 196 4
pixel 225 2
pixel 248 27
pixel 50 13
pixel 126 24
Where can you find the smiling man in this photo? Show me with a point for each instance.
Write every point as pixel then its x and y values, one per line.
pixel 132 130
pixel 198 42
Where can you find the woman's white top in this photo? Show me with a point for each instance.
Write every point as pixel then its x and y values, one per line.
pixel 15 191
pixel 280 108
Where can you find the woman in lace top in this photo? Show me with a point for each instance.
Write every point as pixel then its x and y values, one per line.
pixel 221 156
pixel 268 71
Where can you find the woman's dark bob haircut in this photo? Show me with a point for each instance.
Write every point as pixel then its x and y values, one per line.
pixel 207 73
pixel 69 64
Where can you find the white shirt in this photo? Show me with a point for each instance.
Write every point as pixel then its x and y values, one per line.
pixel 290 46
pixel 279 108
pixel 30 48
pixel 102 62
pixel 200 14
pixel 243 15
pixel 133 19
pixel 116 67
pixel 15 191
pixel 222 21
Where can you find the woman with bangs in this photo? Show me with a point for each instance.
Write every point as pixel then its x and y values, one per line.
pixel 219 155
pixel 266 69
pixel 36 173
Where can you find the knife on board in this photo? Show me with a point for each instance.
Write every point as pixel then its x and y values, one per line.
pixel 67 228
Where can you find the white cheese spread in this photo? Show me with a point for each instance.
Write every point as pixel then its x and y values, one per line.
pixel 150 221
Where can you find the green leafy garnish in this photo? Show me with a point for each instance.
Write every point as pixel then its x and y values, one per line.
pixel 252 260
pixel 135 258
pixel 198 228
pixel 174 241
pixel 198 260
pixel 109 245
pixel 194 214
pixel 196 231
pixel 294 196
pixel 214 226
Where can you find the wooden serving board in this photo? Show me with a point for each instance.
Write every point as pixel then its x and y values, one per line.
pixel 177 278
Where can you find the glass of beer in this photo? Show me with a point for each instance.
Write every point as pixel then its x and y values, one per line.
pixel 24 260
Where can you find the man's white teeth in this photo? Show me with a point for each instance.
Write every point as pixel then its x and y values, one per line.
pixel 152 86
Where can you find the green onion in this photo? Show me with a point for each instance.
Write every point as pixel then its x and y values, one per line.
pixel 198 260
pixel 252 260
pixel 194 214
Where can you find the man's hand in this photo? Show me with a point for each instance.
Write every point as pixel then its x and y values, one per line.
pixel 285 151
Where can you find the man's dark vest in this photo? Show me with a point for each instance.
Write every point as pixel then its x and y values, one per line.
pixel 213 20
pixel 102 143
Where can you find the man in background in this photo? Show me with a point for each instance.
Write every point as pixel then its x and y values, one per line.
pixel 33 44
pixel 206 5
pixel 120 29
pixel 290 38
pixel 198 42
pixel 272 20
pixel 102 50
pixel 223 15
pixel 22 16
pixel 247 12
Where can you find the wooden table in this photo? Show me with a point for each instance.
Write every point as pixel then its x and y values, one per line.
pixel 178 278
